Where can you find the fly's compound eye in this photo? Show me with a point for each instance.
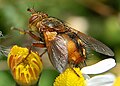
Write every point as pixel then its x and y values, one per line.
pixel 36 17
pixel 33 19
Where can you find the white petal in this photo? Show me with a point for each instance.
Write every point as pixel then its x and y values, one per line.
pixel 101 80
pixel 99 67
pixel 86 76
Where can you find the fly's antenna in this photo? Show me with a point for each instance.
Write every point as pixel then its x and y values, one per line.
pixel 32 10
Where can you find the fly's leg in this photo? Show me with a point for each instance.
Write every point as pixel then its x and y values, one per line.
pixel 75 72
pixel 24 60
pixel 43 53
pixel 84 63
pixel 37 38
pixel 40 45
pixel 71 65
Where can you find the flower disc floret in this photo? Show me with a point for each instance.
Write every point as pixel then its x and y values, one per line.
pixel 25 65
pixel 71 77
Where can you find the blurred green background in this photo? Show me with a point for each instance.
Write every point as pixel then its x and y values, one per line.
pixel 97 18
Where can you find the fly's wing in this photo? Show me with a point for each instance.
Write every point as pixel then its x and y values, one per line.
pixel 4 50
pixel 58 53
pixel 94 44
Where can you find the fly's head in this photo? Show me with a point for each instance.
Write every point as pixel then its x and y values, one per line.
pixel 35 19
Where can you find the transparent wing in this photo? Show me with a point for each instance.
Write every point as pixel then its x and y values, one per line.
pixel 4 50
pixel 94 44
pixel 58 53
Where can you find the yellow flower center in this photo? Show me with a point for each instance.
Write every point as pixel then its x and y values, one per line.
pixel 117 82
pixel 70 78
pixel 25 65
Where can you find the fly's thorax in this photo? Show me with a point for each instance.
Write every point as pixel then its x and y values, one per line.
pixel 49 36
pixel 53 24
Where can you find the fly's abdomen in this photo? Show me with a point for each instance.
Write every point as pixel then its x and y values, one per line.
pixel 75 55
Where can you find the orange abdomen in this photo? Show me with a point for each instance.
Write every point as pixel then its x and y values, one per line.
pixel 74 53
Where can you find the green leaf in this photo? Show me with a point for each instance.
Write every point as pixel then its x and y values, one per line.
pixel 6 79
pixel 47 77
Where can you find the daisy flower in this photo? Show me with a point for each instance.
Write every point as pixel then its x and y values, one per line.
pixel 25 65
pixel 117 81
pixel 70 78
